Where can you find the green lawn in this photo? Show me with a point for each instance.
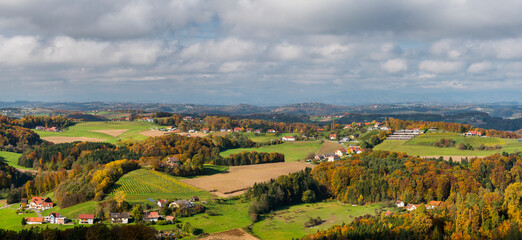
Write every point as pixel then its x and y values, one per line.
pixel 293 151
pixel 422 145
pixel 83 129
pixel 73 211
pixel 266 137
pixel 11 159
pixel 289 223
pixel 231 214
pixel 142 184
pixel 12 221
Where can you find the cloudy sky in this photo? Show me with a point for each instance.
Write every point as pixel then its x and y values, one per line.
pixel 261 51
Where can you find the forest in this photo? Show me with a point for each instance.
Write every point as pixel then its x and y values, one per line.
pixel 481 198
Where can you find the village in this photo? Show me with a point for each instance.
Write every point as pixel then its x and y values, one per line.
pixel 173 208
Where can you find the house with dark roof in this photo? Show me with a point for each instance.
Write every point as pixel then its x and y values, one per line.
pixel 122 218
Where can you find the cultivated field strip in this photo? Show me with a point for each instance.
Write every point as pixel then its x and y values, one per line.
pixel 151 182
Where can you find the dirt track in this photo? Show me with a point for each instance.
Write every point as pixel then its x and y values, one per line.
pixel 455 158
pixel 112 132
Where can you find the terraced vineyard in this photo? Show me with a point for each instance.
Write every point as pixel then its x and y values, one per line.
pixel 149 182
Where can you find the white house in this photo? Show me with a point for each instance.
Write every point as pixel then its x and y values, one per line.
pixel 399 203
pixel 55 218
pixel 34 220
pixel 120 218
pixel 288 139
pixel 86 219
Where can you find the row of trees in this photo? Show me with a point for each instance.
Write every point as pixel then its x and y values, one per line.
pixel 249 158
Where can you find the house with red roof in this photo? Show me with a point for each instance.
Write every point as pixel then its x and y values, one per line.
pixel 55 218
pixel 151 216
pixel 35 220
pixel 288 138
pixel 333 136
pixel 86 219
pixel 340 152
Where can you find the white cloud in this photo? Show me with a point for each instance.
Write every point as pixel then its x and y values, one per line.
pixel 440 66
pixel 479 67
pixel 394 65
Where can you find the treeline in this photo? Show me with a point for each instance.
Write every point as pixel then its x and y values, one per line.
pixel 96 231
pixel 86 117
pixel 91 183
pixel 215 123
pixel 64 155
pixel 397 124
pixel 34 121
pixel 16 138
pixel 249 158
pixel 285 190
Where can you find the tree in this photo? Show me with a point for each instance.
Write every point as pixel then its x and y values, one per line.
pixel 24 221
pixel 308 196
pixel 137 212
pixel 120 198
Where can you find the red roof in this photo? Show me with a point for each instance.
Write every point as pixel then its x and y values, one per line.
pixel 86 216
pixel 34 219
pixel 151 215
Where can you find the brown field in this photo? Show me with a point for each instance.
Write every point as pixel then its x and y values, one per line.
pixel 198 134
pixel 72 139
pixel 329 147
pixel 234 234
pixel 239 178
pixel 153 133
pixel 220 134
pixel 112 132
pixel 455 158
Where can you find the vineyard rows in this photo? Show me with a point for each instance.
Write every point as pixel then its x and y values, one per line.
pixel 151 182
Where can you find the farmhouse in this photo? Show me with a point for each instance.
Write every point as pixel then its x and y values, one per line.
pixel 340 152
pixel 120 218
pixel 41 204
pixel 151 216
pixel 271 131
pixel 411 207
pixel 473 133
pixel 399 203
pixel 288 139
pixel 333 136
pixel 34 220
pixel 55 218
pixel 172 162
pixel 162 203
pixel 333 158
pixel 86 219
pixel 257 131
pixel 181 204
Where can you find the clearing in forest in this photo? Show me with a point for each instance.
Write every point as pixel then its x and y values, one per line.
pixel 293 151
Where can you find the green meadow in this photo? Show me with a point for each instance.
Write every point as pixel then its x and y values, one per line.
pixel 293 151
pixel 288 223
pixel 84 129
pixel 422 145
pixel 11 159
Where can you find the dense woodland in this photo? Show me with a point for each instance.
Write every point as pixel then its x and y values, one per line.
pixel 285 190
pixel 481 197
pixel 14 137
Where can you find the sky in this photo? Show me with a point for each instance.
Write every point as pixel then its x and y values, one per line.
pixel 263 52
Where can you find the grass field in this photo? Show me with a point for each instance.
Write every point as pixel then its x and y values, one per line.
pixel 266 137
pixel 11 159
pixel 73 211
pixel 142 184
pixel 293 151
pixel 86 129
pixel 289 223
pixel 367 135
pixel 231 214
pixel 422 145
